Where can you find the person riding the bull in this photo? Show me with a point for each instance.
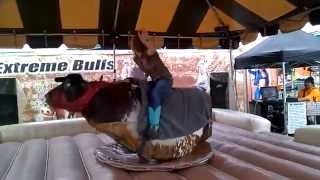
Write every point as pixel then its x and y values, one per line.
pixel 148 60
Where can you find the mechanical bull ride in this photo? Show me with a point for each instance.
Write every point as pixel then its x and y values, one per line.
pixel 119 109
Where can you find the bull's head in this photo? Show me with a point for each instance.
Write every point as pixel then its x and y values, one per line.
pixel 72 88
pixel 104 105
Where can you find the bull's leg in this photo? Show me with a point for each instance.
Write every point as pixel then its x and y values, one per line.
pixel 120 132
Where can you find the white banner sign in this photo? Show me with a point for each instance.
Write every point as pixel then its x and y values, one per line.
pixel 297 116
pixel 14 65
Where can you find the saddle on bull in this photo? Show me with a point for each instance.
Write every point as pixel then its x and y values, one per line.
pixel 119 110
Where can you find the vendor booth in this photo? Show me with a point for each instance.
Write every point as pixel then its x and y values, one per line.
pixel 285 51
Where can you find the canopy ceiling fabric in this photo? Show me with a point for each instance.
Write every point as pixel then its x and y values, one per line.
pixel 193 18
pixel 295 48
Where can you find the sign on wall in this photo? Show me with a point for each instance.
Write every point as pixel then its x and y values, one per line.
pixel 15 65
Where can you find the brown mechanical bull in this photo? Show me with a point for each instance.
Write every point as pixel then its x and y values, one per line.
pixel 118 109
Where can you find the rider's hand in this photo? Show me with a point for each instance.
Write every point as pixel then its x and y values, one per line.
pixel 145 39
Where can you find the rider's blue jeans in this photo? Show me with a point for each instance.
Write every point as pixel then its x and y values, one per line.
pixel 159 90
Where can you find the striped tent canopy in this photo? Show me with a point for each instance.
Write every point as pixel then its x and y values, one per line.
pixel 173 23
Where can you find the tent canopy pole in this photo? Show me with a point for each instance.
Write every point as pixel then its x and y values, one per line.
pixel 114 40
pixel 284 97
pixel 232 89
pixel 245 84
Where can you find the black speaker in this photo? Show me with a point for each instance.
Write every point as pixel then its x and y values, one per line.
pixel 227 37
pixel 270 29
pixel 176 43
pixel 8 102
pixel 219 90
pixel 8 86
pixel 273 111
pixel 314 17
pixel 224 43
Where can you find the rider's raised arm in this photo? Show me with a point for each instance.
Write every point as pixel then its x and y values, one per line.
pixel 144 38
